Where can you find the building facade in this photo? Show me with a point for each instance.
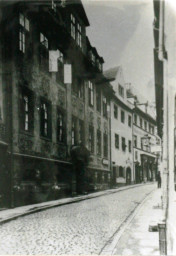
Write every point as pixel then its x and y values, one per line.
pixel 45 115
pixel 144 136
pixel 121 130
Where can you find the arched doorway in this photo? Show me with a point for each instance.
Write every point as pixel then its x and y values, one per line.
pixel 128 176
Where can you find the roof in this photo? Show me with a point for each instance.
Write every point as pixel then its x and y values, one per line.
pixel 76 4
pixel 144 115
pixel 111 73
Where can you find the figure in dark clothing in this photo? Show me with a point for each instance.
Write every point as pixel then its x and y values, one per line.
pixel 159 180
pixel 80 157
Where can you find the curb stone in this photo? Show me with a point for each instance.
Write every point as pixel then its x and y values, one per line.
pixel 41 207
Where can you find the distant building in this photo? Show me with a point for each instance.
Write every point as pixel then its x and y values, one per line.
pixel 144 136
pixel 121 130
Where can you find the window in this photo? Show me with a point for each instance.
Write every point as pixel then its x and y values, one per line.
pixel 141 123
pixel 26 111
pixel 23 32
pixel 122 116
pixel 24 22
pixel 145 125
pixel 92 58
pixel 120 171
pixel 121 91
pixel 80 88
pixel 135 141
pixel 105 107
pixel 22 41
pixel 142 143
pixel 123 144
pixel 129 146
pixel 91 93
pixel 44 54
pixel 129 121
pixel 45 116
pixel 73 27
pixel 105 138
pixel 60 127
pixel 115 111
pixel 60 63
pixel 98 99
pixel 98 142
pixel 116 140
pixel 76 31
pixel 73 131
pixel 91 139
pixel 99 64
pixel 81 130
pixel 152 129
pixel 136 155
pixel 135 119
pixel 43 41
pixel 79 35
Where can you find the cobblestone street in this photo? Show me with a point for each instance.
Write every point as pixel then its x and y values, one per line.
pixel 78 228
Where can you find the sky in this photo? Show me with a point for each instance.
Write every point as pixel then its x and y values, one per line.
pixel 122 33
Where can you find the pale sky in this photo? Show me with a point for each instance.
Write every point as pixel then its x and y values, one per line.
pixel 122 33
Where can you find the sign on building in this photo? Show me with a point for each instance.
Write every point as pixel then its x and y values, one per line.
pixel 155 148
pixel 53 61
pixel 67 74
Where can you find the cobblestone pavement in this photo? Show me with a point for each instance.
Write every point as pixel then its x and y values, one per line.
pixel 79 228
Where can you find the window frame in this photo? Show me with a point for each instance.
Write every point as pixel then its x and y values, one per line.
pixel 122 116
pixel 91 139
pixel 98 99
pixel 123 144
pixel 73 131
pixel 61 138
pixel 115 111
pixel 129 120
pixel 91 93
pixel 105 145
pixel 135 141
pixel 45 118
pixel 105 106
pixel 99 142
pixel 129 146
pixel 29 113
pixel 117 144
pixel 24 29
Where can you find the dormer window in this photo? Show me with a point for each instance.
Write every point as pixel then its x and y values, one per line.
pixel 43 41
pixel 121 90
pixel 99 65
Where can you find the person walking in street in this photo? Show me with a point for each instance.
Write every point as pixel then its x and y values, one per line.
pixel 159 180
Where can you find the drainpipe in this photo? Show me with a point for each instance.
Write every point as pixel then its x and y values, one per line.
pixel 161 56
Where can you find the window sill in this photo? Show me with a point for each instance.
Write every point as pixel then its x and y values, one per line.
pixel 28 133
pixel 46 138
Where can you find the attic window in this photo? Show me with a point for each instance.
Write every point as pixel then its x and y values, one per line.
pixel 121 90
